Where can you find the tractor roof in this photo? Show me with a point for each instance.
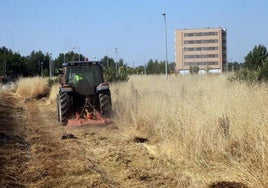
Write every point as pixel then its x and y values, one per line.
pixel 81 63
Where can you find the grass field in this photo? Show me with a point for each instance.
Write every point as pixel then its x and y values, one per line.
pixel 215 129
pixel 211 129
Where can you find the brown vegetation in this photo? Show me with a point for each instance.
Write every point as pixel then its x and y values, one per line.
pixel 214 130
pixel 187 131
pixel 29 88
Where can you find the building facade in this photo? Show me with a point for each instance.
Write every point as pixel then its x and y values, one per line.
pixel 204 48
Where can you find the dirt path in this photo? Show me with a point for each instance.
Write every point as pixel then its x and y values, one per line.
pixel 33 153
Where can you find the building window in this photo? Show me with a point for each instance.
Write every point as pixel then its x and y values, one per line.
pixel 200 41
pixel 201 56
pixel 200 34
pixel 201 49
pixel 200 63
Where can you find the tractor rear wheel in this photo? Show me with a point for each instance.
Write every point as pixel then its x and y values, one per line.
pixel 105 103
pixel 63 107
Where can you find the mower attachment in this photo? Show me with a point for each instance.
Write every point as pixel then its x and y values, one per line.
pixel 91 119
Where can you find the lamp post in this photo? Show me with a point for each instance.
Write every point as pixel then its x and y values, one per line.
pixel 51 67
pixel 164 14
pixel 116 66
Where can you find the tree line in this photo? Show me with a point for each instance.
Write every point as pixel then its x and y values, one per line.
pixel 37 63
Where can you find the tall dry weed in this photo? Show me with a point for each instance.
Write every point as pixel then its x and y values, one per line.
pixel 34 87
pixel 211 127
pixel 54 90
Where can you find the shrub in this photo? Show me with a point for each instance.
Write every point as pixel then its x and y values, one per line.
pixel 35 87
pixel 245 75
pixel 263 73
pixel 194 69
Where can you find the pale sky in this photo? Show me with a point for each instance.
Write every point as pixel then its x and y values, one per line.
pixel 135 28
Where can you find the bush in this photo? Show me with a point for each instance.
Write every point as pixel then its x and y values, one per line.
pixel 263 73
pixel 245 75
pixel 35 87
pixel 255 66
pixel 194 69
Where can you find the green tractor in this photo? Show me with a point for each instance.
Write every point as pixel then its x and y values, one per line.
pixel 84 97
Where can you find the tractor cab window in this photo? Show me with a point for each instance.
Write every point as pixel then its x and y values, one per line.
pixel 90 74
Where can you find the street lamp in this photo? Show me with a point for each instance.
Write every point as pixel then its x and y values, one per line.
pixel 116 53
pixel 164 14
pixel 51 66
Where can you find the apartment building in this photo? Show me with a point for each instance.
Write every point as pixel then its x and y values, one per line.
pixel 205 48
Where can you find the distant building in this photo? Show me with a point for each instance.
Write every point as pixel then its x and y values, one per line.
pixel 205 48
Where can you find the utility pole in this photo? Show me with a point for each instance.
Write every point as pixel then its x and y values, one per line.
pixel 164 14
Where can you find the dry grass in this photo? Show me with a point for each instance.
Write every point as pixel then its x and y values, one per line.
pixel 32 87
pixel 215 130
pixel 54 90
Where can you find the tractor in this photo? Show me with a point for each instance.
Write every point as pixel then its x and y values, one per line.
pixel 84 98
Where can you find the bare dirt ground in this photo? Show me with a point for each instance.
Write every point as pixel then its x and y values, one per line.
pixel 34 153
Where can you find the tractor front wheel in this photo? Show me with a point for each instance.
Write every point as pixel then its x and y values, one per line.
pixel 105 103
pixel 63 107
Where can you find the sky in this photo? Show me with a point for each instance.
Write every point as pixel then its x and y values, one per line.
pixel 136 28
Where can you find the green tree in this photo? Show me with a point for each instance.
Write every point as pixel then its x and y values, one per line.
pixel 66 57
pixel 263 73
pixel 109 67
pixel 108 62
pixel 36 62
pixel 139 70
pixel 156 67
pixel 4 59
pixel 255 59
pixel 150 67
pixel 171 67
pixel 255 67
pixel 14 63
pixel 17 65
pixel 194 69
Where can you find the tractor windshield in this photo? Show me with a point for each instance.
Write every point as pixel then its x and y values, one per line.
pixel 90 74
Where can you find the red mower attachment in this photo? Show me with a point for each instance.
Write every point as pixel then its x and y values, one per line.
pixel 86 118
pixel 90 119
